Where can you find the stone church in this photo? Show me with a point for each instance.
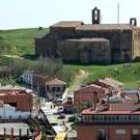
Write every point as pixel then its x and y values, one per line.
pixel 96 43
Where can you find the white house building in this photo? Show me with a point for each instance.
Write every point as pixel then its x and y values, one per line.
pixel 10 112
pixel 27 77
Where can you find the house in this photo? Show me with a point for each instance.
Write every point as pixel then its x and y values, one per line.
pixel 113 85
pixel 27 77
pixel 116 119
pixel 10 112
pixel 54 89
pixel 89 95
pixel 39 83
pixel 16 97
pixel 50 88
pixel 44 85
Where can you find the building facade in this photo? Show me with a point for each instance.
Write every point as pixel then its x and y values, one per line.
pixel 89 95
pixel 27 77
pixel 117 118
pixel 10 113
pixel 54 89
pixel 18 98
pixel 77 42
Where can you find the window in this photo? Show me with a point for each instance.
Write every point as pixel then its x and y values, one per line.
pixel 86 118
pixel 53 89
pixel 135 118
pixel 120 131
pixel 122 118
pixel 101 118
pixel 120 134
pixel 57 89
pixel 139 118
pixel 117 118
pixel 63 88
pixel 92 118
pixel 135 131
pixel 135 134
pixel 129 118
pixel 108 118
pixel 14 104
pixel 48 88
pixel 102 134
pixel 96 118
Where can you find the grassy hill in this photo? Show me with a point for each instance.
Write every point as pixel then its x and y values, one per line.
pixel 128 73
pixel 21 42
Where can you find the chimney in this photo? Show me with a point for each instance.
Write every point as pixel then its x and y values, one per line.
pixel 133 21
pixel 95 16
pixel 108 103
pixel 95 94
pixel 138 95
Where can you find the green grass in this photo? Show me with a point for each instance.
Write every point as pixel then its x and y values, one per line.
pixel 128 73
pixel 22 43
pixel 22 40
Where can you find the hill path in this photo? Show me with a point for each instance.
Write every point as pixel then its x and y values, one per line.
pixel 79 78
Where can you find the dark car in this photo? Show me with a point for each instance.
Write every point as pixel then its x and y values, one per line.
pixel 61 116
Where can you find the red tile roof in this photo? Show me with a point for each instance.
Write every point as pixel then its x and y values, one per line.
pixel 55 82
pixel 65 24
pixel 109 82
pixel 92 87
pixel 129 106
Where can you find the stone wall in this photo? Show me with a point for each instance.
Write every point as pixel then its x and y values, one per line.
pixel 69 51
pixel 118 40
pixel 45 47
pixel 136 44
pixel 124 45
pixel 85 52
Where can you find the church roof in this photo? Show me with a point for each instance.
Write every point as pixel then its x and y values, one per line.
pixel 65 24
pixel 99 27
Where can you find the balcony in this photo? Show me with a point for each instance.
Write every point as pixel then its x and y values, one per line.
pixel 111 119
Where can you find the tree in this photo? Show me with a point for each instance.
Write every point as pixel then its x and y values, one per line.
pixel 5 47
pixel 18 66
pixel 48 66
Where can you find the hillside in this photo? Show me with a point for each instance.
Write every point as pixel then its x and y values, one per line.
pixel 20 41
pixel 128 73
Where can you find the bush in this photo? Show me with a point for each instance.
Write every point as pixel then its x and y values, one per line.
pixel 73 119
pixel 40 28
pixel 18 66
pixel 5 47
pixel 47 66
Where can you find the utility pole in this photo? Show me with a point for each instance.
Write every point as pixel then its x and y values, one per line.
pixel 118 13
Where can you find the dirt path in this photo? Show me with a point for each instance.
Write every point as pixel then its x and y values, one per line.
pixel 79 78
pixel 12 56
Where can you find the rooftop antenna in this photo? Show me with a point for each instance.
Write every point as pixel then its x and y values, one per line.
pixel 118 13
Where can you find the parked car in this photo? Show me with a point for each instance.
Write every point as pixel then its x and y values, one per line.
pixel 61 116
pixel 60 109
pixel 59 101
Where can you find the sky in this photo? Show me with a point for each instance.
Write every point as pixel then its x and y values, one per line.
pixel 35 13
